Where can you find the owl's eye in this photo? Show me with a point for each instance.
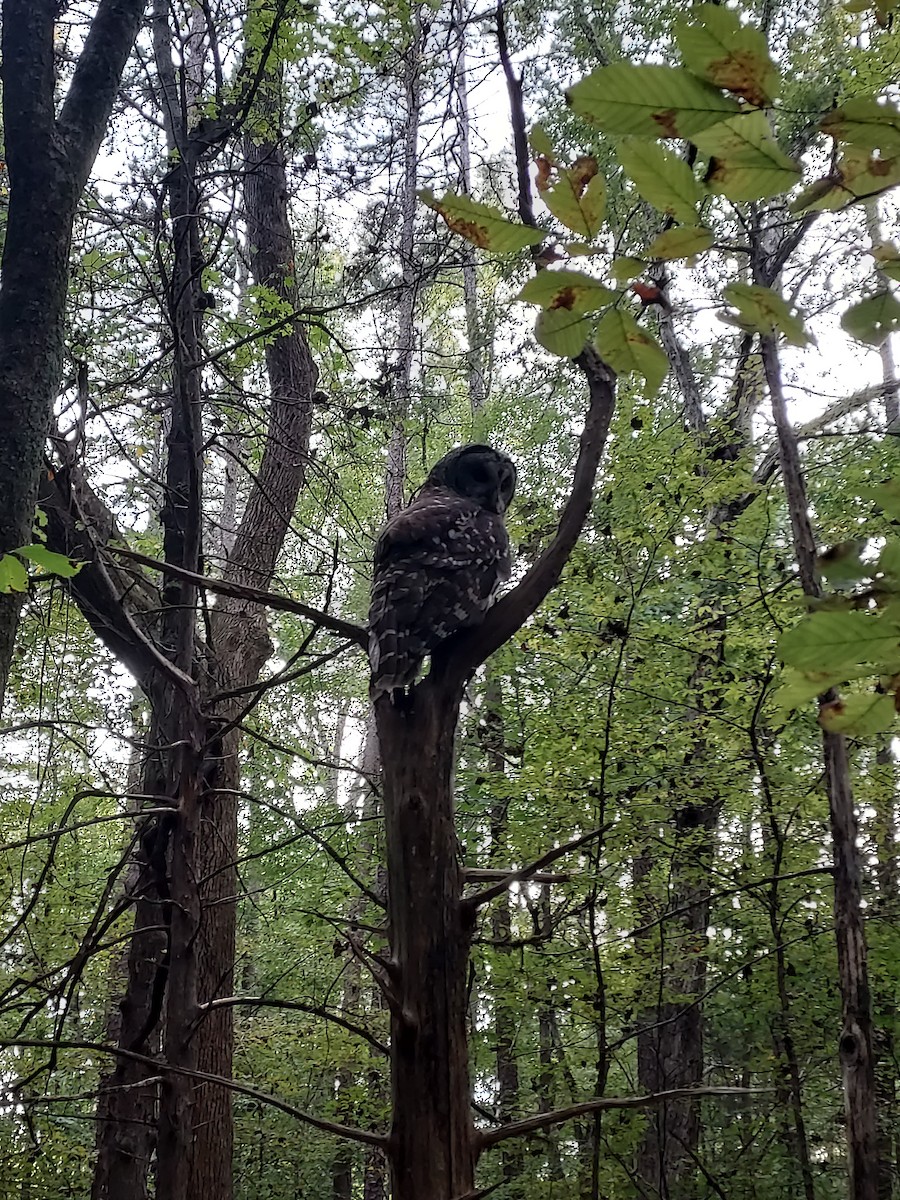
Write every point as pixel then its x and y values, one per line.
pixel 481 474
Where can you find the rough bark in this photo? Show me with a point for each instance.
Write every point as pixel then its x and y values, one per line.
pixel 48 158
pixel 431 1142
pixel 505 1007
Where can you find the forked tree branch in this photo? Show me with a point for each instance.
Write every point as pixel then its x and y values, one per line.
pixel 530 872
pixel 464 653
pixel 297 1006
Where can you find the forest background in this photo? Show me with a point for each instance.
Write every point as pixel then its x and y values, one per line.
pixel 263 266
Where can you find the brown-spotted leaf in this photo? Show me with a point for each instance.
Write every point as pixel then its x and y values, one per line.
pixel 716 45
pixel 482 224
pixel 865 121
pixel 649 101
pixel 571 291
pixel 575 195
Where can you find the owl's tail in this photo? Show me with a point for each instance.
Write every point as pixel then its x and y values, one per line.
pixel 391 657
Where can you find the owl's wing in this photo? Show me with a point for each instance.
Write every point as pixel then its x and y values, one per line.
pixel 438 564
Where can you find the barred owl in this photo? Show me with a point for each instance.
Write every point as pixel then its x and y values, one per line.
pixel 439 562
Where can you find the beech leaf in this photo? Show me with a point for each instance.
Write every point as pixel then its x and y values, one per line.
pixel 571 291
pixel 746 163
pixel 874 320
pixel 829 640
pixel 865 121
pixel 764 311
pixel 629 349
pixel 577 197
pixel 562 332
pixel 649 101
pixel 680 242
pixel 482 224
pixel 719 47
pixel 859 713
pixel 661 177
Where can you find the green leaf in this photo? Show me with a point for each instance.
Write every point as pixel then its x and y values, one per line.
pixel 829 640
pixel 562 332
pixel 482 224
pixel 886 496
pixel 540 143
pixel 865 121
pixel 91 261
pixel 764 311
pixel 889 562
pixel 858 176
pixel 49 561
pixel 661 177
pixel 799 687
pixel 13 576
pixel 716 45
pixel 577 197
pixel 860 713
pixel 681 242
pixel 746 163
pixel 887 256
pixel 874 320
pixel 570 291
pixel 581 250
pixel 630 349
pixel 623 270
pixel 649 101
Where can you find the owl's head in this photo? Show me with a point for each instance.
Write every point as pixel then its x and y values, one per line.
pixel 479 473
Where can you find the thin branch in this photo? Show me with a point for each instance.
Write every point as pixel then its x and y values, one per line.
pixel 842 407
pixel 354 633
pixel 517 120
pixel 491 1137
pixel 95 82
pixel 484 874
pixel 348 1132
pixel 734 891
pixel 297 1006
pixel 380 972
pixel 526 873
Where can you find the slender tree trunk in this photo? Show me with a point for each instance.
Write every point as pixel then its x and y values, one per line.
pixel 883 798
pixel 474 327
pixel 789 1085
pixel 855 1045
pixel 48 156
pixel 198 855
pixel 409 266
pixel 506 1009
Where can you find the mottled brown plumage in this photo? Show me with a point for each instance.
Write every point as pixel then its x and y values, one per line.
pixel 439 562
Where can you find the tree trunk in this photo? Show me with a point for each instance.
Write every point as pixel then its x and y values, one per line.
pixel 196 1134
pixel 431 1143
pixel 48 158
pixel 856 1038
